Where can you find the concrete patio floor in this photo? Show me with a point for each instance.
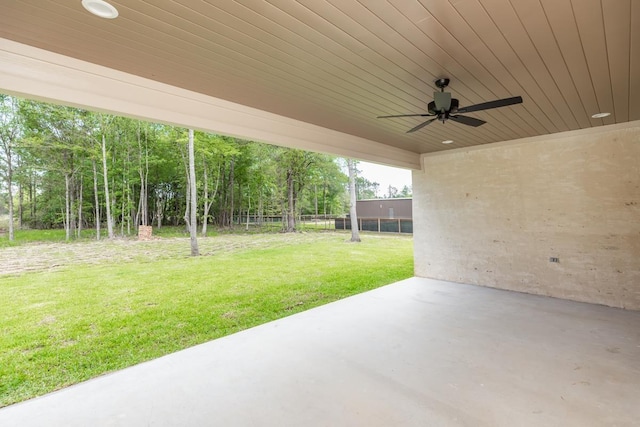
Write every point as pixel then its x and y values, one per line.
pixel 415 353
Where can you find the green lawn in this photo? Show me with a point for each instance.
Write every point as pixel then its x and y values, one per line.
pixel 122 304
pixel 29 236
pixel 57 235
pixel 26 236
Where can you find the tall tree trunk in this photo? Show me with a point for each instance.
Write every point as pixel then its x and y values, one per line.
pixel 291 214
pixel 187 194
pixel 96 200
pixel 20 204
pixel 31 201
pixel 159 209
pixel 114 204
pixel 8 138
pixel 106 189
pixel 248 206
pixel 231 184
pixel 324 200
pixel 209 197
pixel 137 220
pixel 193 232
pixel 33 196
pixel 222 202
pixel 260 211
pixel 205 202
pixel 10 194
pixel 355 233
pixel 240 204
pixel 79 228
pixel 145 213
pixel 143 210
pixel 127 206
pixel 72 204
pixel 315 191
pixel 128 190
pixel 122 209
pixel 67 206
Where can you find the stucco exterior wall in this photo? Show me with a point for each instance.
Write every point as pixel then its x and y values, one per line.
pixel 494 216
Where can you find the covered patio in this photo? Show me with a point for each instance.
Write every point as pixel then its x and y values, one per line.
pixel 541 201
pixel 414 353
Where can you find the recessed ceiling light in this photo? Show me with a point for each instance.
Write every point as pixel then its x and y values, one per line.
pixel 100 8
pixel 600 115
pixel 448 141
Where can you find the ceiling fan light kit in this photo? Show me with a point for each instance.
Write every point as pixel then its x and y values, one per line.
pixel 444 107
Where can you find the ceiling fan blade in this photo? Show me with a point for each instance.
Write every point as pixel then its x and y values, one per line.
pixel 491 104
pixel 466 120
pixel 421 125
pixel 405 115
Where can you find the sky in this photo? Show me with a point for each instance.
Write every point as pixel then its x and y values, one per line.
pixel 385 176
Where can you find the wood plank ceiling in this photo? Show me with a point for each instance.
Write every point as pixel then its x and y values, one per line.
pixel 341 63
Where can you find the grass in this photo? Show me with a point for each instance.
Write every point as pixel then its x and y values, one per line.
pixel 84 318
pixel 29 236
pixel 57 235
pixel 25 236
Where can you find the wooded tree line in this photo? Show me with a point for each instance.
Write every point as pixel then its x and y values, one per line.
pixel 366 189
pixel 64 167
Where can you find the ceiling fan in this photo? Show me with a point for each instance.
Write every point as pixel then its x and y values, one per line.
pixel 444 108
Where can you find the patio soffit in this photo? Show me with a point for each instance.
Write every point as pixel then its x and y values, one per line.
pixel 336 65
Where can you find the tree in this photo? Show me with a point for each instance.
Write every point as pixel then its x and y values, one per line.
pixel 405 192
pixel 209 196
pixel 324 192
pixel 96 200
pixel 353 215
pixel 264 180
pixel 58 135
pixel 9 134
pixel 143 172
pixel 297 166
pixel 85 167
pixel 106 189
pixel 211 151
pixel 366 189
pixel 192 222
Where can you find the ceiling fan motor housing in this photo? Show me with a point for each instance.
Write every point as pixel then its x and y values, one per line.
pixel 442 101
pixel 436 106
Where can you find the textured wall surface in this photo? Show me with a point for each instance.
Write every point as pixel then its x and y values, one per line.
pixel 494 216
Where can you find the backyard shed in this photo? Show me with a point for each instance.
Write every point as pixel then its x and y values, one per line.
pixel 385 208
pixel 381 215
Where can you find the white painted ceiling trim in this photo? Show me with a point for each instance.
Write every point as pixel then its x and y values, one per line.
pixel 39 74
